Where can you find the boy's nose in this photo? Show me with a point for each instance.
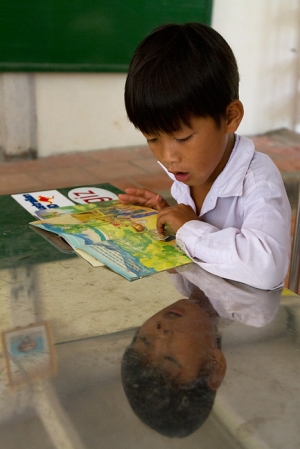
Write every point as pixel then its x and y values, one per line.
pixel 169 154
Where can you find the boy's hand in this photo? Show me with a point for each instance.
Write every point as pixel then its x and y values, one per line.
pixel 143 197
pixel 175 217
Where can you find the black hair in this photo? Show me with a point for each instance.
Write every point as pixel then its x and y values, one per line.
pixel 171 408
pixel 178 72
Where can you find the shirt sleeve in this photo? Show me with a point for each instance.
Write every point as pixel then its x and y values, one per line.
pixel 257 254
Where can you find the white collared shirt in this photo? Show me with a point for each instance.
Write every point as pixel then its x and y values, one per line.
pixel 243 231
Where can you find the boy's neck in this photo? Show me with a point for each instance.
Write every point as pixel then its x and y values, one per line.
pixel 198 193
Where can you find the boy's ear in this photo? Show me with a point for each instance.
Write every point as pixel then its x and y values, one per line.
pixel 234 115
pixel 218 371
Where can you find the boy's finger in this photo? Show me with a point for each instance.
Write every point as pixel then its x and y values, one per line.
pixel 140 192
pixel 160 228
pixel 160 224
pixel 133 199
pixel 143 197
pixel 160 202
pixel 123 198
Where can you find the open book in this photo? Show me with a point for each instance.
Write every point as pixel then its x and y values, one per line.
pixel 122 237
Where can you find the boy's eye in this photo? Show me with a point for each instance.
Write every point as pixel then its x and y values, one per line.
pixel 184 139
pixel 152 140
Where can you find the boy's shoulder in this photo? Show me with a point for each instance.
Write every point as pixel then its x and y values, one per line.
pixel 246 167
pixel 256 165
pixel 262 168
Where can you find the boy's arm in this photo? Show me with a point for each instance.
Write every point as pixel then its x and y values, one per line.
pixel 143 197
pixel 257 254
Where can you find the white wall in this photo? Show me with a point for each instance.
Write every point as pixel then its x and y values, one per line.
pixel 264 35
pixel 17 114
pixel 78 112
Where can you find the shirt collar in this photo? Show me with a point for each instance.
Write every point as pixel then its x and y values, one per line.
pixel 230 181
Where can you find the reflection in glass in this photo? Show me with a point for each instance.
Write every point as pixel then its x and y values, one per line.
pixel 233 300
pixel 174 366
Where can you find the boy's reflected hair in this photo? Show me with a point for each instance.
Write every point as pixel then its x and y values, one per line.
pixel 178 72
pixel 171 408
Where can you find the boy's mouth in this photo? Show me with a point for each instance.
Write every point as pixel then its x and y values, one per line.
pixel 181 176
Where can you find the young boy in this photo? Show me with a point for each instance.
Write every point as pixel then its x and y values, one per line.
pixel 233 214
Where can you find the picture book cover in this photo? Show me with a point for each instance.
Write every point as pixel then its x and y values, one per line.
pixel 34 202
pixel 42 201
pixel 122 237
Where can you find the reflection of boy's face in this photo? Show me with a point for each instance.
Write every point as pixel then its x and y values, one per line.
pixel 179 339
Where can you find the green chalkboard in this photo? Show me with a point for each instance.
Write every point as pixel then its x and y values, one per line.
pixel 84 35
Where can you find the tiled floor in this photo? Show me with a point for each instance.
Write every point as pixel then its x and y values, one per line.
pixel 126 167
pixel 283 147
pixel 133 166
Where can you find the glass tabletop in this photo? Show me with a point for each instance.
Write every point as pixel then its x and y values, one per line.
pixel 180 359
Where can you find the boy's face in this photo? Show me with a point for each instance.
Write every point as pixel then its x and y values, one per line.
pixel 195 155
pixel 178 339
